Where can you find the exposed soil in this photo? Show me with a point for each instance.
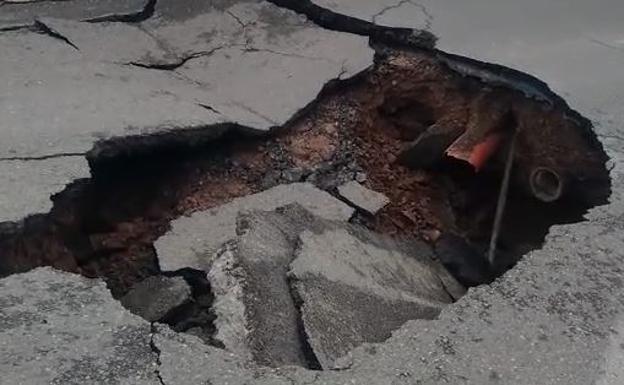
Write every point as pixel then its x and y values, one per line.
pixel 105 226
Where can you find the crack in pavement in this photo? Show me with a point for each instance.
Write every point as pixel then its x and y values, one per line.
pixel 243 48
pixel 251 49
pixel 238 19
pixel 423 9
pixel 181 61
pixel 41 27
pixel 334 21
pixel 209 108
pixel 157 351
pixel 44 157
pixel 257 113
pixel 607 45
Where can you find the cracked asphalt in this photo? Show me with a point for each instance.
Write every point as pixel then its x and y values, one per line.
pixel 163 68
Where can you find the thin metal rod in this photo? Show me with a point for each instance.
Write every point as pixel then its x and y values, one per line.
pixel 502 200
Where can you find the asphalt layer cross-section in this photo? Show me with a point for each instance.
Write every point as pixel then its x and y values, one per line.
pixel 556 318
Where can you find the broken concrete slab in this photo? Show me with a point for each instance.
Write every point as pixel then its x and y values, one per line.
pixel 20 197
pixel 193 241
pixel 16 14
pixel 256 316
pixel 365 199
pixel 60 328
pixel 355 287
pixel 157 297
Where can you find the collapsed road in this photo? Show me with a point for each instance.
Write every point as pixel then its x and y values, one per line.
pixel 271 195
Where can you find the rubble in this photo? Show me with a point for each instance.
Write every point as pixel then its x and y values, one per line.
pixel 157 297
pixel 365 199
pixel 358 287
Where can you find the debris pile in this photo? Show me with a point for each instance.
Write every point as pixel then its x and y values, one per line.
pixel 296 289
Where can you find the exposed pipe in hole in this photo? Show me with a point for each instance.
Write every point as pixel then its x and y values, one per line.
pixel 546 184
pixel 502 199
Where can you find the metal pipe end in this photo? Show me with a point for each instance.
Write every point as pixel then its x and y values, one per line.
pixel 546 184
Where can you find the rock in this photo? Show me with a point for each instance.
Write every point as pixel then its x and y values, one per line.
pixel 294 174
pixel 367 200
pixel 60 328
pixel 361 177
pixel 193 241
pixel 354 287
pixel 157 297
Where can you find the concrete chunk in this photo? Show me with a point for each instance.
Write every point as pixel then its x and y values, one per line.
pixel 193 241
pixel 356 287
pixel 366 199
pixel 256 316
pixel 156 297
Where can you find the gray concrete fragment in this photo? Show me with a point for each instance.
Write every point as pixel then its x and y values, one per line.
pixel 256 316
pixel 156 297
pixel 356 287
pixel 59 328
pixel 20 197
pixel 368 200
pixel 193 241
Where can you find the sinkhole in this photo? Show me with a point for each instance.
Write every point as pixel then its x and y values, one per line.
pixel 474 175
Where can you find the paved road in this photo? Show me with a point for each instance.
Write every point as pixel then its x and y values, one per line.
pixel 244 63
pixel 554 319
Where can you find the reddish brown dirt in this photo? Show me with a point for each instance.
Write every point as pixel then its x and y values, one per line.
pixel 106 226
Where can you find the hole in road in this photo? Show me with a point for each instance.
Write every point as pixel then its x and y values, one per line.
pixel 436 144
